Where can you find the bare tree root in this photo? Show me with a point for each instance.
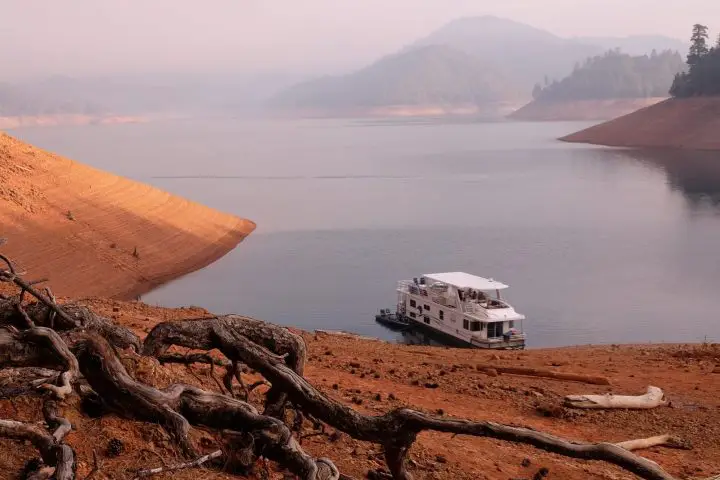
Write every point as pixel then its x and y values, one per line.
pixel 178 406
pixel 397 429
pixel 39 347
pixel 201 334
pixel 53 452
pixel 78 317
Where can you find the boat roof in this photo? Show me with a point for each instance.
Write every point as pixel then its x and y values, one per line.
pixel 465 280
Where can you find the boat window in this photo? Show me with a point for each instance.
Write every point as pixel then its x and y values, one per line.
pixel 426 319
pixel 495 329
pixel 413 315
pixel 442 315
pixel 475 327
pixel 412 303
pixel 511 323
pixel 426 307
pixel 466 325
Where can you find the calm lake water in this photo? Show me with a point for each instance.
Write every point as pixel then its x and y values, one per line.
pixel 598 245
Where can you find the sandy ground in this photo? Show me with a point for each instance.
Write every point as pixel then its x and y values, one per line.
pixel 692 123
pixel 94 233
pixel 380 376
pixel 581 110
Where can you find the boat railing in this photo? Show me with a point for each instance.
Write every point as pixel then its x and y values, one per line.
pixel 404 285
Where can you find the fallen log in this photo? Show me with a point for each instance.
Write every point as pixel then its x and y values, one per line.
pixel 538 372
pixel 653 398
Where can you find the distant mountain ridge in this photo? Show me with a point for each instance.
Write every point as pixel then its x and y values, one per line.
pixel 429 75
pixel 485 60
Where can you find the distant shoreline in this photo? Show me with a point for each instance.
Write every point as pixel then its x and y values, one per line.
pixel 70 119
pixel 499 111
pixel 581 110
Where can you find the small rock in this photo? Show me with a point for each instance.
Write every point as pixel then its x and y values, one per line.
pixel 526 462
pixel 431 385
pixel 116 309
pixel 440 459
pixel 542 473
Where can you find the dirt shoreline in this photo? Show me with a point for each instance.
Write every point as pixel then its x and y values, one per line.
pixel 93 233
pixel 580 110
pixel 690 123
pixel 375 376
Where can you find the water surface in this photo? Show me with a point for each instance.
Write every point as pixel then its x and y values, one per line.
pixel 598 245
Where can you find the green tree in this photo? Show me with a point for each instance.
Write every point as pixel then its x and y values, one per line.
pixel 698 44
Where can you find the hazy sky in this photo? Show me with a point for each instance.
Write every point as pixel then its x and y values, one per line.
pixel 79 37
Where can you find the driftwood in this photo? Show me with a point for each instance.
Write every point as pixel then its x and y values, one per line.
pixel 52 337
pixel 653 398
pixel 195 463
pixel 538 372
pixel 668 441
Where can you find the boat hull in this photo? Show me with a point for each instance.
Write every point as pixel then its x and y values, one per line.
pixel 489 344
pixel 392 321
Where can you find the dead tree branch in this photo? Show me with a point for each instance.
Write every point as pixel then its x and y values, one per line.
pixel 195 463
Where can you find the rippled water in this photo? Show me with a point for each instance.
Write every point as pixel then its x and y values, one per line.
pixel 598 245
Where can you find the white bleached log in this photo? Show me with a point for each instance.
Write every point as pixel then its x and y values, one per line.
pixel 669 441
pixel 653 398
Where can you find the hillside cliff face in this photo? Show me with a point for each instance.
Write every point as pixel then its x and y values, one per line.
pixel 692 123
pixel 99 233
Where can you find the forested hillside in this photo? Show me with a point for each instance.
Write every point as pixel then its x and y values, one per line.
pixel 615 75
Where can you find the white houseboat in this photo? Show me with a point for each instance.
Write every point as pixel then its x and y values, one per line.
pixel 462 306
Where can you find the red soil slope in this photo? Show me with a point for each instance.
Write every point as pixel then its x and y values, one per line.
pixel 692 123
pixel 95 233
